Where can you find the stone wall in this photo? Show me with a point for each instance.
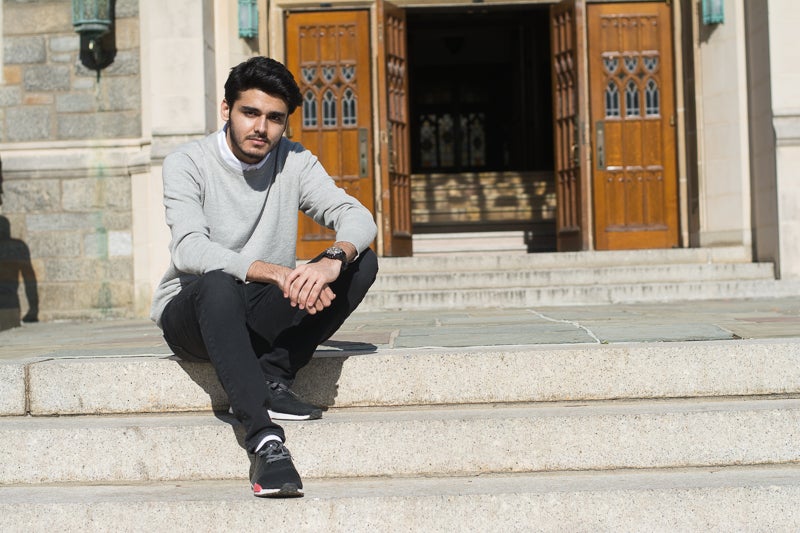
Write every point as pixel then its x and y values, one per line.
pixel 69 142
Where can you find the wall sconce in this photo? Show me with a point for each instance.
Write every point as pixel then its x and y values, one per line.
pixel 713 12
pixel 94 22
pixel 248 19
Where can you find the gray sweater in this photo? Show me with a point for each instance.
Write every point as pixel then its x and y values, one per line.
pixel 225 219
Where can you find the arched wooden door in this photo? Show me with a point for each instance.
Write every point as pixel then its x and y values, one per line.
pixel 329 54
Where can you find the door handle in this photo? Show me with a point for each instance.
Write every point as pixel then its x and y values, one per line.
pixel 600 138
pixel 363 153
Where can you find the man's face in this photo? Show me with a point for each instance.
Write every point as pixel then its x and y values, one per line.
pixel 256 122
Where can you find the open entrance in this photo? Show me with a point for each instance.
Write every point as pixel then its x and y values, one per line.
pixel 481 124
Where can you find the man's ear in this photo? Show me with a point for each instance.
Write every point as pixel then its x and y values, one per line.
pixel 224 111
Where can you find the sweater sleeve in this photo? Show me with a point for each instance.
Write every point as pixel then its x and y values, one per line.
pixel 191 247
pixel 330 206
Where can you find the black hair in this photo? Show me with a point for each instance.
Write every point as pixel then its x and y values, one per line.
pixel 264 74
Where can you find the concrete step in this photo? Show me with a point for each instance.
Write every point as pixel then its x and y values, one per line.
pixel 474 242
pixel 409 442
pixel 593 259
pixel 637 274
pixel 519 297
pixel 405 377
pixel 729 499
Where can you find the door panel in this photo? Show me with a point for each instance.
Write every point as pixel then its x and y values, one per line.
pixel 632 107
pixel 395 157
pixel 569 118
pixel 328 52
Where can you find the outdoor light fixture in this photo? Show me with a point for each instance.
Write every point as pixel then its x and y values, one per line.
pixel 248 19
pixel 94 22
pixel 713 12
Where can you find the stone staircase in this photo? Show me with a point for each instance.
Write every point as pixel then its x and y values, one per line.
pixel 478 279
pixel 696 436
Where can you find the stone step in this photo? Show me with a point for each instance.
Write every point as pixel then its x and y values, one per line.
pixel 702 500
pixel 591 259
pixel 475 242
pixel 421 281
pixel 518 297
pixel 409 442
pixel 404 377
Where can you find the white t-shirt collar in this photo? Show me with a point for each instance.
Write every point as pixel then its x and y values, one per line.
pixel 233 161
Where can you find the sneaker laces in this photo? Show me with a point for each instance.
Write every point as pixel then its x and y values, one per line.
pixel 277 386
pixel 274 451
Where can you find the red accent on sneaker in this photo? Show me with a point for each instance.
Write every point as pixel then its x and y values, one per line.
pixel 256 487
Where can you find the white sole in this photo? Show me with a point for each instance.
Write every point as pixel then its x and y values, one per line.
pixel 289 490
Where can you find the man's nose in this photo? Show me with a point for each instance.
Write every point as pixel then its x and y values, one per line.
pixel 261 124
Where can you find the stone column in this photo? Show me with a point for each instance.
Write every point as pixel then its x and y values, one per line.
pixel 722 130
pixel 784 55
pixel 179 103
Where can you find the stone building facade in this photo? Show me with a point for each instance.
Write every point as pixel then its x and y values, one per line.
pixel 70 141
pixel 81 218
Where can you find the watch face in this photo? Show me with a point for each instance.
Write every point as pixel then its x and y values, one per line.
pixel 334 252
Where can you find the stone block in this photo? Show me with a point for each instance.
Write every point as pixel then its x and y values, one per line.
pixel 46 78
pixel 96 244
pixel 55 244
pixel 120 243
pixel 31 195
pixel 127 33
pixel 71 269
pixel 120 94
pixel 82 194
pixel 64 221
pixel 28 124
pixel 12 389
pixel 57 297
pixel 67 269
pixel 64 43
pixel 126 9
pixel 82 84
pixel 38 99
pixel 116 220
pixel 10 95
pixel 75 103
pixel 62 58
pixel 26 18
pixel 17 50
pixel 12 74
pixel 99 125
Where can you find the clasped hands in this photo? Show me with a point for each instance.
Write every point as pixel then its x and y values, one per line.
pixel 306 287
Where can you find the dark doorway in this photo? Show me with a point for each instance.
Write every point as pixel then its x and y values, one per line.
pixel 481 120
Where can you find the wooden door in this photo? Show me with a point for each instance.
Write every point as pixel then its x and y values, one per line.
pixel 569 121
pixel 328 52
pixel 395 158
pixel 633 112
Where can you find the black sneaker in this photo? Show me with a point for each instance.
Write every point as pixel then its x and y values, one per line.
pixel 274 474
pixel 285 405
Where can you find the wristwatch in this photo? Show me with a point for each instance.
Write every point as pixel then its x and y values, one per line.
pixel 334 252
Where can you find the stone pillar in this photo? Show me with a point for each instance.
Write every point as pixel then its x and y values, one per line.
pixel 722 130
pixel 179 103
pixel 784 55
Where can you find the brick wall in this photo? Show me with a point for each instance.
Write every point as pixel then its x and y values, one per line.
pixel 69 142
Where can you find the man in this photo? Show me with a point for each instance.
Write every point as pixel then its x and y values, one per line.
pixel 232 294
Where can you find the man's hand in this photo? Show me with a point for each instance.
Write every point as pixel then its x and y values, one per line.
pixel 307 285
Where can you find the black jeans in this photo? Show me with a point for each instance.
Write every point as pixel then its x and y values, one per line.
pixel 250 333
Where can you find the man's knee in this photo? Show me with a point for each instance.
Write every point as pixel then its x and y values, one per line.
pixel 367 265
pixel 217 284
